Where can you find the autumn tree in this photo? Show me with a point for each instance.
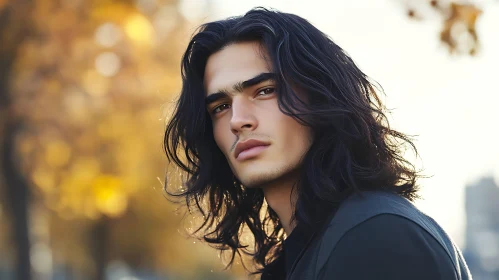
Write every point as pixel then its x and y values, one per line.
pixel 458 32
pixel 92 85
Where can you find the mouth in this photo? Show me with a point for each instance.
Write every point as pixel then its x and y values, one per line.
pixel 249 148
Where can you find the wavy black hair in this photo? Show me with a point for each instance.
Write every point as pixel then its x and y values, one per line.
pixel 353 149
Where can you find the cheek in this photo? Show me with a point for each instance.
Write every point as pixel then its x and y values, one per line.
pixel 222 138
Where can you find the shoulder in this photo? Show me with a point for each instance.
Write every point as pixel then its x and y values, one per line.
pixel 388 246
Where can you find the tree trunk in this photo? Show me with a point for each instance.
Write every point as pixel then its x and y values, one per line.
pixel 99 235
pixel 18 195
pixel 14 27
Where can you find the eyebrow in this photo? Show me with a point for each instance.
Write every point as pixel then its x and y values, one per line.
pixel 239 87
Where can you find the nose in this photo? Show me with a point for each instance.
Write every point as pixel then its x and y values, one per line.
pixel 243 117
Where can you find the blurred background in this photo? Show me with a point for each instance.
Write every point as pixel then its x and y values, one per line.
pixel 87 85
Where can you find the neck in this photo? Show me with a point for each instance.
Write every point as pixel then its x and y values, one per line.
pixel 280 199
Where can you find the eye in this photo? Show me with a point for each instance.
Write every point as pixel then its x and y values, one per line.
pixel 220 108
pixel 266 91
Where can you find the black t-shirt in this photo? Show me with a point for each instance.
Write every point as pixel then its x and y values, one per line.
pixel 385 246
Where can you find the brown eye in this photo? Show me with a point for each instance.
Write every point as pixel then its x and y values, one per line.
pixel 220 108
pixel 266 91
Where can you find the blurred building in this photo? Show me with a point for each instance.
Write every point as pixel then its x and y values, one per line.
pixel 482 229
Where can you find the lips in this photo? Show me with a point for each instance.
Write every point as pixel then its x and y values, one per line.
pixel 248 145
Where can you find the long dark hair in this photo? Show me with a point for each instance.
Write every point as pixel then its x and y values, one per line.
pixel 354 148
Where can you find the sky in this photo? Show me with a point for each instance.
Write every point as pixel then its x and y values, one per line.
pixel 448 101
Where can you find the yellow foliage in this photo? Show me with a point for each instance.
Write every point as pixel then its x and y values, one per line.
pixel 114 12
pixel 85 169
pixel 461 23
pixel 109 197
pixel 107 153
pixel 113 127
pixel 86 143
pixel 95 84
pixel 44 179
pixel 76 106
pixel 90 211
pixel 57 154
pixel 82 192
pixel 51 86
pixel 139 29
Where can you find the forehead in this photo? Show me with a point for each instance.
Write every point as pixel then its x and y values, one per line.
pixel 234 63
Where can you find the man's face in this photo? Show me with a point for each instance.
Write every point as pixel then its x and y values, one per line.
pixel 261 144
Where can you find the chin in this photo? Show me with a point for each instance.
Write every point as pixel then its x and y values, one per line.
pixel 260 178
pixel 256 182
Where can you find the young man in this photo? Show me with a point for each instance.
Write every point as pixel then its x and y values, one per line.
pixel 272 110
